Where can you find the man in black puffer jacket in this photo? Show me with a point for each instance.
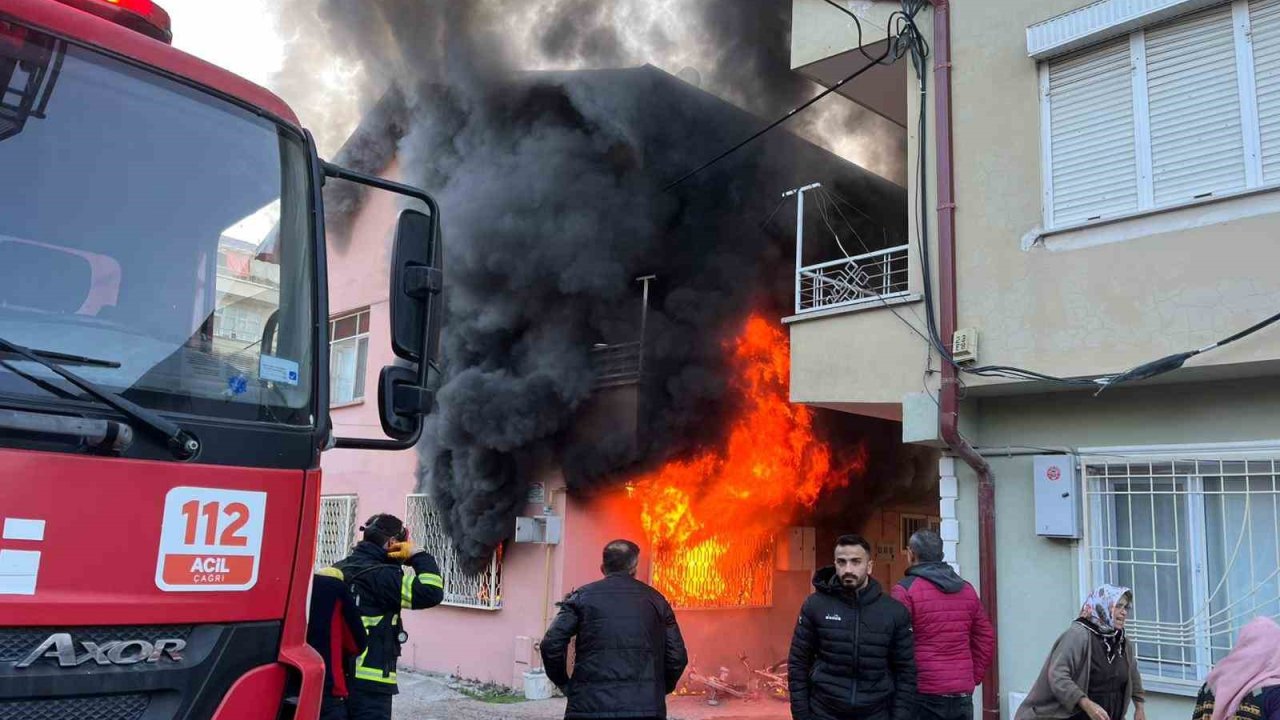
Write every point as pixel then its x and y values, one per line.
pixel 852 654
pixel 629 653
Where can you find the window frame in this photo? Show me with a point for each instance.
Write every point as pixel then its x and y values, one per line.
pixel 1091 570
pixel 355 338
pixel 1246 95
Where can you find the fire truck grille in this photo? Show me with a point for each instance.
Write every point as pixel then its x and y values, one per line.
pixel 111 707
pixel 16 643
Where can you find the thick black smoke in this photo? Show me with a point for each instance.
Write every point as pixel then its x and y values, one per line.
pixel 551 190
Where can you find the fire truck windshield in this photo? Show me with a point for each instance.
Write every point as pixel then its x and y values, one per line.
pixel 155 228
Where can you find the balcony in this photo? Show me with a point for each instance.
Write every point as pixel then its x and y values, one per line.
pixel 851 350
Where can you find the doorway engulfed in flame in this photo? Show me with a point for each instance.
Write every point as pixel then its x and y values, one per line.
pixel 712 520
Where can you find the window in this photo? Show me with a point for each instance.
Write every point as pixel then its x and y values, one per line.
pixel 337 528
pixel 716 573
pixel 239 322
pixel 1196 538
pixel 909 524
pixel 1165 116
pixel 483 590
pixel 348 355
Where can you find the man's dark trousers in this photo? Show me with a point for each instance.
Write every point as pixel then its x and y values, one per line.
pixel 369 706
pixel 944 707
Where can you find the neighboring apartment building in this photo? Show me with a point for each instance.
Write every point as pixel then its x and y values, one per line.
pixel 1116 167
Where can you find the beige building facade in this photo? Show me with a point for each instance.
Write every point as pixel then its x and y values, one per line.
pixel 1116 166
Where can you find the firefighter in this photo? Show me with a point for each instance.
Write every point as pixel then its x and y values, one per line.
pixel 381 586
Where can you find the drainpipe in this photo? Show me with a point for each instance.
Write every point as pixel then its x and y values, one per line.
pixel 548 509
pixel 949 402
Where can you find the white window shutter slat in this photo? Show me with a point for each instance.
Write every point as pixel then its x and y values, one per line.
pixel 1264 21
pixel 1197 141
pixel 1091 136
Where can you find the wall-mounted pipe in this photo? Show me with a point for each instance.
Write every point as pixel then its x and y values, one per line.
pixel 548 508
pixel 949 402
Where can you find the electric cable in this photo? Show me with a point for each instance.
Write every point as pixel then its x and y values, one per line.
pixel 893 46
pixel 769 127
pixel 826 204
pixel 1176 360
pixel 858 24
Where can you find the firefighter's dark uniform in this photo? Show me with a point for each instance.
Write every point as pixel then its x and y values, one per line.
pixel 382 588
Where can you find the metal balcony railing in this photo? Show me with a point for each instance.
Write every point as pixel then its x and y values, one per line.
pixel 870 277
pixel 616 364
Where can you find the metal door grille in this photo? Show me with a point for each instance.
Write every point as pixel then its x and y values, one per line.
pixel 482 590
pixel 337 528
pixel 1196 539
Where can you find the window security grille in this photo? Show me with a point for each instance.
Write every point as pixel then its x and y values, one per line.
pixel 482 590
pixel 911 523
pixel 337 529
pixel 716 574
pixel 1196 539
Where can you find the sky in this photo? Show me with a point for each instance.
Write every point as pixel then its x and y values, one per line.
pixel 245 37
pixel 242 36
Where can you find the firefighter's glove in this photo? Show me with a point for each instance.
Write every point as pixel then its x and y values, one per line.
pixel 400 552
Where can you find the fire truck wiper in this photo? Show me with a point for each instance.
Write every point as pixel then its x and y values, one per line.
pixel 182 444
pixel 67 359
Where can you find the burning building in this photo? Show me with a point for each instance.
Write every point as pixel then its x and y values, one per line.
pixel 615 366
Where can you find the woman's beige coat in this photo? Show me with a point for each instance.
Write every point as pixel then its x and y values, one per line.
pixel 1065 678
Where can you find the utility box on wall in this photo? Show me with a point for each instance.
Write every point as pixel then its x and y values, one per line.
pixel 796 549
pixel 1057 494
pixel 542 529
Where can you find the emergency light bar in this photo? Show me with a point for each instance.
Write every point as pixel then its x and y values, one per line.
pixel 142 16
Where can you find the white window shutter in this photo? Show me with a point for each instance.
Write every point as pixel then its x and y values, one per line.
pixel 1093 166
pixel 1197 142
pixel 1264 21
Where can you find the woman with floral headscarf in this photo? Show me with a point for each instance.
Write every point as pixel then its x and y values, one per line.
pixel 1092 670
pixel 1245 685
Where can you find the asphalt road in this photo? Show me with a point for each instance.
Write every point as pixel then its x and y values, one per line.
pixel 425 697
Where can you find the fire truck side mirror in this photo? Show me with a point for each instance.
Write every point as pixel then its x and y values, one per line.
pixel 416 300
pixel 401 401
pixel 416 286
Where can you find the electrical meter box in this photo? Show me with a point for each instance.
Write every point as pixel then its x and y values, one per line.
pixel 1057 494
pixel 541 529
pixel 797 549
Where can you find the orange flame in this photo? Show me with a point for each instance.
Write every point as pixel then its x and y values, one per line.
pixel 711 520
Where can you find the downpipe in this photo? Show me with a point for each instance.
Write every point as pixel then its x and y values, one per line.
pixel 949 402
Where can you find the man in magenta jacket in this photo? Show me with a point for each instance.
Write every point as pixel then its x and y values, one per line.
pixel 955 643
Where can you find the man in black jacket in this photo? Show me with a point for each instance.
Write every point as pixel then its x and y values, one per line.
pixel 374 572
pixel 629 654
pixel 852 655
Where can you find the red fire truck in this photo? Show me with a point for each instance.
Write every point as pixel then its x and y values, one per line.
pixel 164 373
